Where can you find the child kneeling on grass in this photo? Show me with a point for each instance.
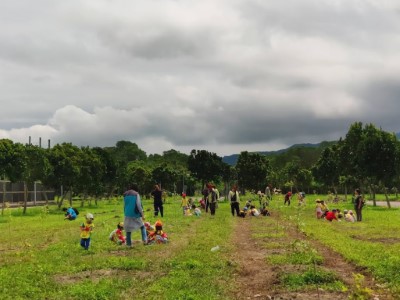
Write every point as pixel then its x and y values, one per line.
pixel 117 235
pixel 254 211
pixel 265 212
pixel 196 211
pixel 332 215
pixel 158 236
pixel 86 231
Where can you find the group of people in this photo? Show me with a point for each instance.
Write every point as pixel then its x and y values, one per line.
pixel 134 215
pixel 188 206
pixel 134 219
pixel 249 209
pixel 322 210
pixel 154 233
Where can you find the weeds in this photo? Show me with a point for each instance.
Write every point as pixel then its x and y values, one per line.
pixel 311 279
pixel 360 292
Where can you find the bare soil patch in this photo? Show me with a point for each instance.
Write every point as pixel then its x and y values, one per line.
pixel 256 278
pixel 97 275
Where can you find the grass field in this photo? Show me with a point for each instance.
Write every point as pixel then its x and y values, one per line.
pixel 41 258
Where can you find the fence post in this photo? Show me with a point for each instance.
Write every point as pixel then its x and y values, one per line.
pixel 34 193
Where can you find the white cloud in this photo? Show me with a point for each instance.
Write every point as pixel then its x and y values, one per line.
pixel 220 75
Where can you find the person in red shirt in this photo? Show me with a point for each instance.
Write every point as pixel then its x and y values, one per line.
pixel 288 196
pixel 331 215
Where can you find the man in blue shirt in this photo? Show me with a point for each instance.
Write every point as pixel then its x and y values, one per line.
pixel 134 215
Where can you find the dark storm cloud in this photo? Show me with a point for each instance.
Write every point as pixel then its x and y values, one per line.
pixel 220 75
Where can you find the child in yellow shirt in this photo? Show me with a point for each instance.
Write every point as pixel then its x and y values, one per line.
pixel 86 231
pixel 184 203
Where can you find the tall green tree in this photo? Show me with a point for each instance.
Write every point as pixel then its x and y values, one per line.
pixel 109 179
pixel 327 168
pixel 17 168
pixel 378 157
pixel 65 160
pixel 5 161
pixel 125 152
pixel 304 180
pixel 92 170
pixel 139 173
pixel 38 166
pixel 349 152
pixel 166 175
pixel 205 166
pixel 252 170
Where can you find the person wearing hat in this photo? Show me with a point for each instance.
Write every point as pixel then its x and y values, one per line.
pixel 86 231
pixel 117 235
pixel 318 209
pixel 134 214
pixel 158 236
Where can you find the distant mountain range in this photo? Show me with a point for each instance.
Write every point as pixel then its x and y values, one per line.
pixel 232 159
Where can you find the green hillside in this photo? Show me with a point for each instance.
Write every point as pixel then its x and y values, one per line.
pixel 307 154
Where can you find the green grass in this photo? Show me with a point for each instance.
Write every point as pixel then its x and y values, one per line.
pixel 370 244
pixel 312 279
pixel 296 258
pixel 40 255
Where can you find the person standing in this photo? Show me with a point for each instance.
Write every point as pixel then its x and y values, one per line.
pixel 358 204
pixel 86 231
pixel 134 215
pixel 205 194
pixel 212 198
pixel 184 203
pixel 158 203
pixel 233 197
pixel 268 193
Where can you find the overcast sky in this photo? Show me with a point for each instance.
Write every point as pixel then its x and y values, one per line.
pixel 220 75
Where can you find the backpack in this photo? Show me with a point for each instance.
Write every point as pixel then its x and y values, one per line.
pixel 361 200
pixel 233 198
pixel 76 211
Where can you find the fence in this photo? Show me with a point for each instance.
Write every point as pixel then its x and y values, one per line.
pixel 14 192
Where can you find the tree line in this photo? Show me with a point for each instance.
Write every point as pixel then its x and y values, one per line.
pixel 367 157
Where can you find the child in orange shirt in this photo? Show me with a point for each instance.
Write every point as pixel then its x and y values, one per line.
pixel 158 236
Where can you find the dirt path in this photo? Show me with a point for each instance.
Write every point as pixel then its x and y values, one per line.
pixel 256 278
pixel 384 203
